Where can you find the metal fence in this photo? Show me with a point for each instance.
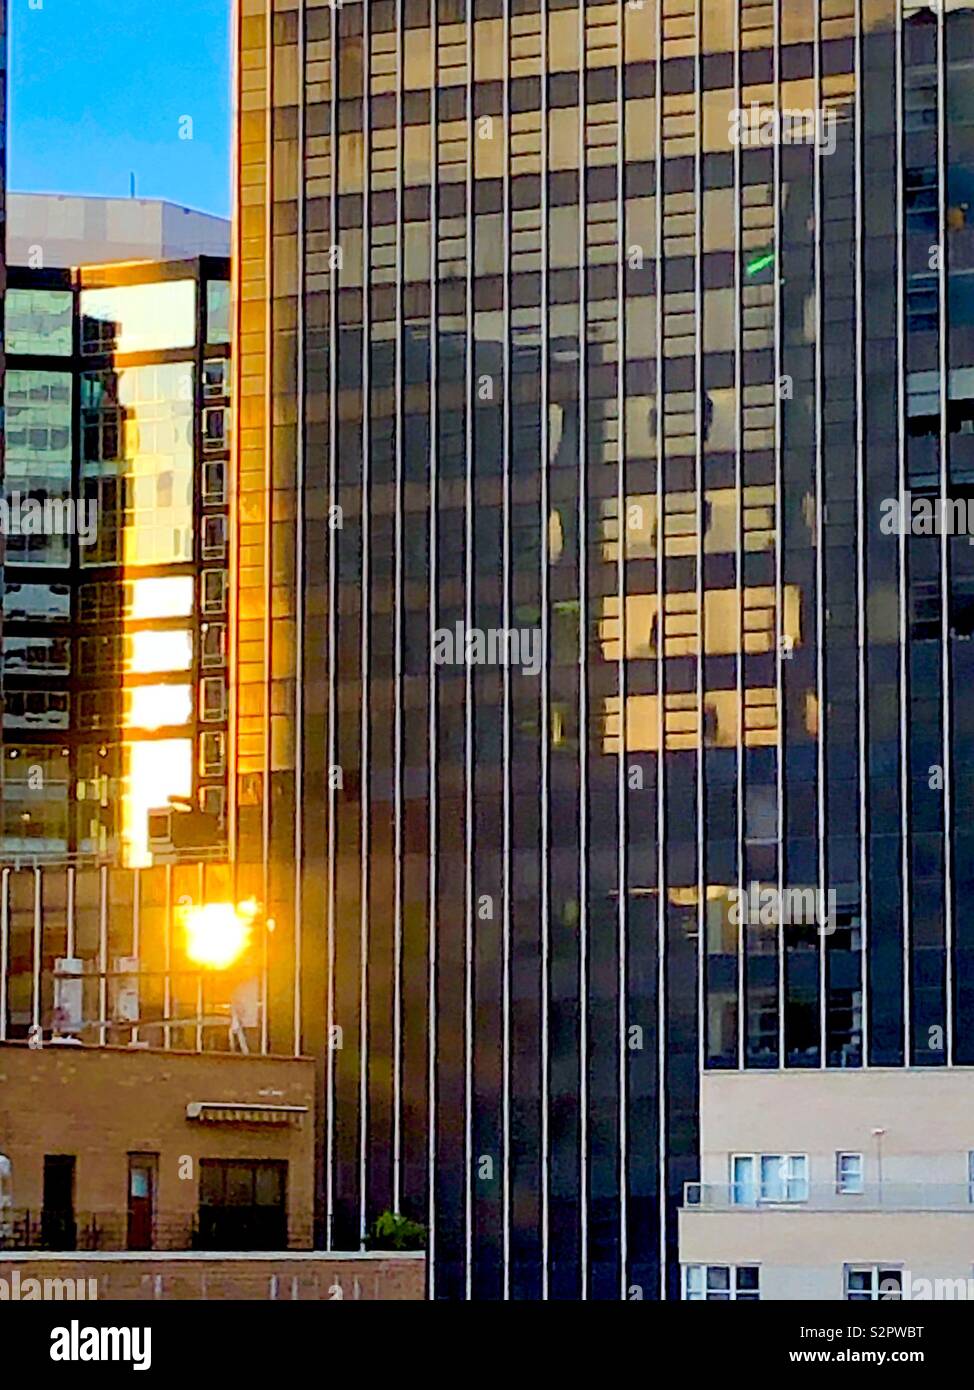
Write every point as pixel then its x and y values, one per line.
pixel 870 1196
pixel 211 1228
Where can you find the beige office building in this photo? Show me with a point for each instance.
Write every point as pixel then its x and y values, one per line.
pixel 850 1185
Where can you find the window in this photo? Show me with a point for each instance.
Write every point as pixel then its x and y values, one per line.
pixel 215 377
pixel 39 322
pixel 243 1205
pixel 721 1283
pixel 869 1283
pixel 768 1178
pixel 214 591
pixel 214 482
pixel 44 602
pixel 214 537
pixel 213 699
pixel 215 428
pixel 213 758
pixel 218 311
pixel 36 709
pixel 848 1173
pixel 214 644
pixel 36 655
pixel 138 318
pixel 970 1175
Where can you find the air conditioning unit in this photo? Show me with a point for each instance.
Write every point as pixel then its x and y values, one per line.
pixel 125 989
pixel 176 830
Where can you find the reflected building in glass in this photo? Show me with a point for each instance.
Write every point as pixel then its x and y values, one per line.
pixel 540 339
pixel 115 568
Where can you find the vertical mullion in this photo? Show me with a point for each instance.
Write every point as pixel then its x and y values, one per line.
pixel 37 952
pixel 819 535
pixel 167 960
pixel 506 854
pixel 861 501
pixel 582 639
pixel 698 312
pixel 433 581
pixel 330 1058
pixel 660 676
pixel 470 580
pixel 300 597
pixel 903 577
pixel 739 484
pixel 265 808
pixel 398 639
pixel 944 537
pixel 779 547
pixel 623 829
pixel 4 948
pixel 366 513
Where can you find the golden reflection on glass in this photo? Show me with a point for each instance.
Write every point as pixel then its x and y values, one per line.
pixel 161 598
pixel 731 624
pixel 155 771
pixel 721 721
pixel 680 523
pixel 155 651
pixel 139 318
pixel 152 707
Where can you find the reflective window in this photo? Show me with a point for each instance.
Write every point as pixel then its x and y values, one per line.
pixel 138 463
pixel 139 318
pixel 36 520
pixel 38 321
pixel 218 311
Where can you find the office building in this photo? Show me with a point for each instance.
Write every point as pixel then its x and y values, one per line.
pixel 573 390
pixel 48 230
pixel 116 510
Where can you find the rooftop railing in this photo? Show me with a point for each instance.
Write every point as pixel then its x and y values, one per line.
pixel 210 1228
pixel 870 1196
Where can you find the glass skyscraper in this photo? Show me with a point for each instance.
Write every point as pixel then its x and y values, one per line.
pixel 582 351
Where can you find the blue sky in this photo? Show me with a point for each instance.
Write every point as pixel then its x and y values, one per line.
pixel 98 89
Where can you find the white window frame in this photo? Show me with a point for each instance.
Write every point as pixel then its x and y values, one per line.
pixel 213 767
pixel 214 544
pixel 759 1196
pixel 707 1294
pixel 210 605
pixel 213 710
pixel 874 1293
pixel 842 1184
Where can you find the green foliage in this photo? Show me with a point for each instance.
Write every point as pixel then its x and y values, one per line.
pixel 393 1231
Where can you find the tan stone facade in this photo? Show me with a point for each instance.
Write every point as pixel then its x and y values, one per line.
pixel 908 1212
pixel 303 1277
pixel 103 1104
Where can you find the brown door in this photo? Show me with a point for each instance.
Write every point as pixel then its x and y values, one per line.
pixel 142 1197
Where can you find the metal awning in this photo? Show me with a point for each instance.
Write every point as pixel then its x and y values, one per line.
pixel 231 1112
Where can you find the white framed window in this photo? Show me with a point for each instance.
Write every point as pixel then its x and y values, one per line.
pixel 214 537
pixel 213 699
pixel 216 374
pixel 213 756
pixel 721 1283
pixel 214 591
pixel 213 645
pixel 768 1178
pixel 848 1173
pixel 214 481
pixel 215 428
pixel 870 1283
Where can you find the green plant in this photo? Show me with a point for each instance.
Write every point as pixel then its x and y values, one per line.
pixel 393 1231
